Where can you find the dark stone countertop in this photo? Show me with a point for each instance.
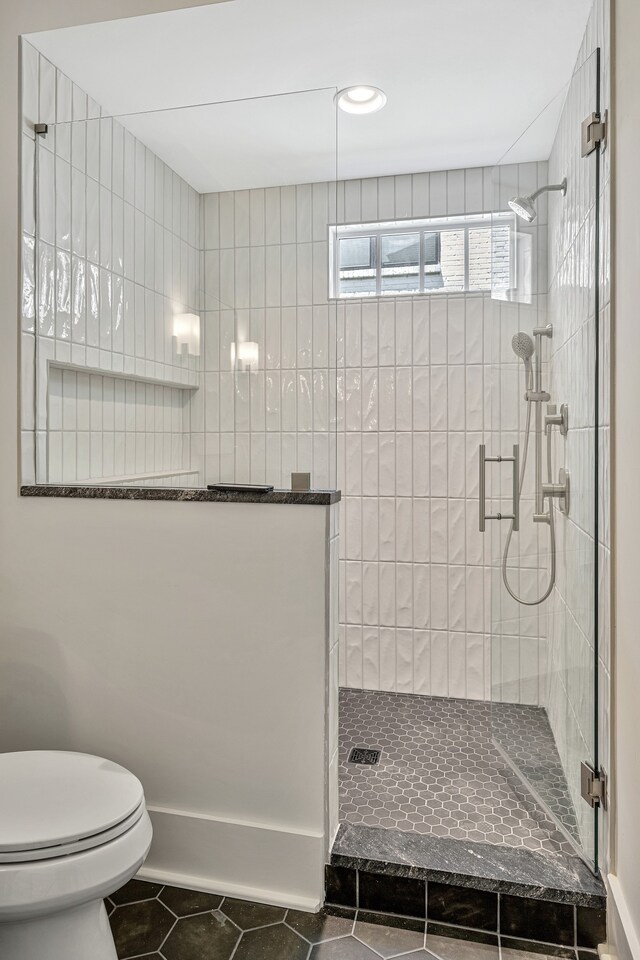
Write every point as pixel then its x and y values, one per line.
pixel 562 878
pixel 316 498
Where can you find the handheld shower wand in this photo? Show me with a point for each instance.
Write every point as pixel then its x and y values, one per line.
pixel 523 347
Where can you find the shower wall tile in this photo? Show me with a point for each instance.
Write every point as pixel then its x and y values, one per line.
pixel 94 216
pixel 406 413
pixel 265 281
pixel 110 430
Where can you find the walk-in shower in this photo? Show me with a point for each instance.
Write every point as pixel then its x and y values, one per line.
pixel 469 655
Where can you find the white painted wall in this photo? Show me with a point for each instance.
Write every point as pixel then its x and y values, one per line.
pixel 123 624
pixel 202 666
pixel 625 868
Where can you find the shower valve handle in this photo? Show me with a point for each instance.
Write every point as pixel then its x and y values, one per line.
pixel 483 459
pixel 555 419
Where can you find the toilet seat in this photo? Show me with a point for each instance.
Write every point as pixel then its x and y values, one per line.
pixel 55 804
pixel 76 846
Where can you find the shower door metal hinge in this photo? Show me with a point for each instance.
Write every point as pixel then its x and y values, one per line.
pixel 593 786
pixel 41 129
pixel 594 133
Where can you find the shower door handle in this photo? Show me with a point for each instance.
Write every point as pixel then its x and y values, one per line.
pixel 514 460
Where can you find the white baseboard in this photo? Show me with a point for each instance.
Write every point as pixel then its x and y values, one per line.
pixel 232 858
pixel 623 936
pixel 223 889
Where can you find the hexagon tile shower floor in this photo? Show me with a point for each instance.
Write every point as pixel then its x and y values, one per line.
pixel 441 773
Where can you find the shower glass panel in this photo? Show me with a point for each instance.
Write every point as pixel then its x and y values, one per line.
pixel 184 334
pixel 543 565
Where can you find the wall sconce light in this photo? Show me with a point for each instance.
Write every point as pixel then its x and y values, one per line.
pixel 245 354
pixel 186 330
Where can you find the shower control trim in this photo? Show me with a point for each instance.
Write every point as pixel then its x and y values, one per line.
pixel 560 491
pixel 555 419
pixel 483 516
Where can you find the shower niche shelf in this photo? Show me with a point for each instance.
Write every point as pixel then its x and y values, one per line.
pixel 121 375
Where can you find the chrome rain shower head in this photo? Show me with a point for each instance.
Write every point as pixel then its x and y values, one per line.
pixel 524 207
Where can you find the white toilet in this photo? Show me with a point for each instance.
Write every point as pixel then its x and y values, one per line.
pixel 73 828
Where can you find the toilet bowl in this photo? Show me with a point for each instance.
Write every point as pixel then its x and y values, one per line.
pixel 73 829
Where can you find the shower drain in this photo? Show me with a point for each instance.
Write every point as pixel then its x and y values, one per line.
pixel 364 756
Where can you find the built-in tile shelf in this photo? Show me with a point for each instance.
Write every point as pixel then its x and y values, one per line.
pixel 121 375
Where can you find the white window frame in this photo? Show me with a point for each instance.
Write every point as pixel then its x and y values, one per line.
pixel 421 226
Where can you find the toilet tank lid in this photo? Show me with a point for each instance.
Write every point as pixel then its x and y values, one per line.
pixel 50 797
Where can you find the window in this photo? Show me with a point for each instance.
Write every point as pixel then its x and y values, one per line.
pixel 414 257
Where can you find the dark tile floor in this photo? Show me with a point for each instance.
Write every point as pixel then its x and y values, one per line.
pixel 441 772
pixel 154 922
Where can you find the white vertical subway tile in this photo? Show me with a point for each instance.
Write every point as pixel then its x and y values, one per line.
pixel 386 198
pixel 304 213
pixel 455 192
pixel 439 664
pixel 129 178
pixel 106 152
pixel 369 199
pixel 455 331
pixel 421 595
pixel 63 295
pixel 473 192
pixel 46 195
pixel 403 196
pixel 438 331
pixel 288 215
pixel 63 203
pixel 437 194
pixel 117 169
pixel 29 79
pixel 47 106
pixel 28 180
pixel 388 661
pixel 28 276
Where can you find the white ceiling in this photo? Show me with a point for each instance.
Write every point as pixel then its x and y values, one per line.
pixel 463 78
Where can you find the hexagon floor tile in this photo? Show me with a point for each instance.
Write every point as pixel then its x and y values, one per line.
pixel 442 772
pixel 152 922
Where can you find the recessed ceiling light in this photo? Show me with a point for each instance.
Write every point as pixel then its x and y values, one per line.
pixel 361 99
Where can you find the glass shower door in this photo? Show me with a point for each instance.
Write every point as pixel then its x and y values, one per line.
pixel 538 483
pixel 184 332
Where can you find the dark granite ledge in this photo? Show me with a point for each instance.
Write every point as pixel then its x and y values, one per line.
pixel 316 498
pixel 561 878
